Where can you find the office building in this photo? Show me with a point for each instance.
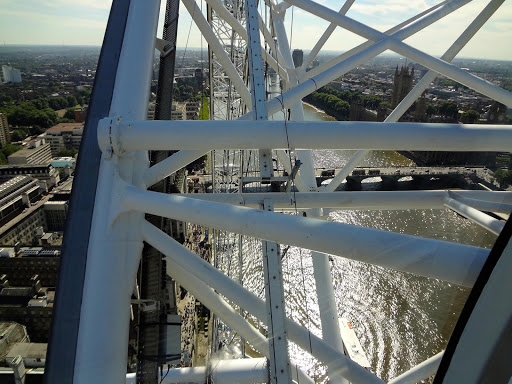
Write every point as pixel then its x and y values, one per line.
pixel 64 136
pixel 36 152
pixel 10 74
pixel 47 175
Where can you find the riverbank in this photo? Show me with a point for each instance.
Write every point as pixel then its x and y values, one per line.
pixel 323 109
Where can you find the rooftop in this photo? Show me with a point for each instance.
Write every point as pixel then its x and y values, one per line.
pixel 26 151
pixel 69 127
pixel 9 166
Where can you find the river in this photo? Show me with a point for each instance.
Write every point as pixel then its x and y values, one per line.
pixel 400 319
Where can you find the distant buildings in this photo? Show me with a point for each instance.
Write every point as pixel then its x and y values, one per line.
pixel 64 136
pixel 178 112
pixel 16 195
pixel 56 213
pixel 30 304
pixel 151 111
pixel 47 175
pixel 81 114
pixel 36 152
pixel 192 110
pixel 30 218
pixel 5 135
pixel 10 74
pixel 185 111
pixel 402 85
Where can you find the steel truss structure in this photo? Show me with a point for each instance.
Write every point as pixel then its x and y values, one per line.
pixel 119 228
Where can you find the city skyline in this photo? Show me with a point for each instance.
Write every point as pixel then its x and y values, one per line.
pixel 41 22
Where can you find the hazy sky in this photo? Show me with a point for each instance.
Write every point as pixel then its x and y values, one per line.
pixel 82 22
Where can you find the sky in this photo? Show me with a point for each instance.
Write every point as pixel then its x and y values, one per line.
pixel 83 22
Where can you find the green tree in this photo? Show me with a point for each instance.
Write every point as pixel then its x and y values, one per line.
pixel 431 110
pixel 371 101
pixel 503 177
pixel 19 134
pixel 80 100
pixel 448 109
pixel 72 102
pixel 342 108
pixel 9 149
pixel 67 153
pixel 57 103
pixel 70 114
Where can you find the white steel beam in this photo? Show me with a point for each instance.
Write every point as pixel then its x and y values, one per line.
pixel 276 313
pixel 170 165
pixel 279 366
pixel 452 262
pixel 340 364
pixel 216 47
pixel 224 311
pixel 162 135
pixel 482 205
pixel 351 62
pixel 321 266
pixel 359 48
pixel 421 86
pixel 480 218
pixel 271 43
pixel 420 372
pixel 442 67
pixel 114 251
pixel 229 316
pixel 449 55
pixel 492 201
pixel 240 371
pixel 325 36
pixel 221 11
pixel 296 112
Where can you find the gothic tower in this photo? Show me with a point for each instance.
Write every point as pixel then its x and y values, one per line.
pixel 402 84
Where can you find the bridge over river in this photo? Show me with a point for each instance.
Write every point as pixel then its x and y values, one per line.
pixel 391 175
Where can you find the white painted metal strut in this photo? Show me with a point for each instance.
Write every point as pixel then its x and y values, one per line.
pixel 421 86
pixel 114 251
pixel 492 201
pixel 395 44
pixel 452 262
pixel 233 291
pixel 325 36
pixel 356 58
pixel 217 48
pixel 420 372
pixel 273 276
pixel 321 266
pixel 224 311
pixel 163 135
pixel 491 224
pixel 359 48
pixel 241 371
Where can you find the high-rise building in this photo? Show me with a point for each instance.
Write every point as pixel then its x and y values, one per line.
pixel 10 74
pixel 402 84
pixel 5 135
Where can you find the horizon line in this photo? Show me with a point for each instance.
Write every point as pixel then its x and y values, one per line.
pixel 199 48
